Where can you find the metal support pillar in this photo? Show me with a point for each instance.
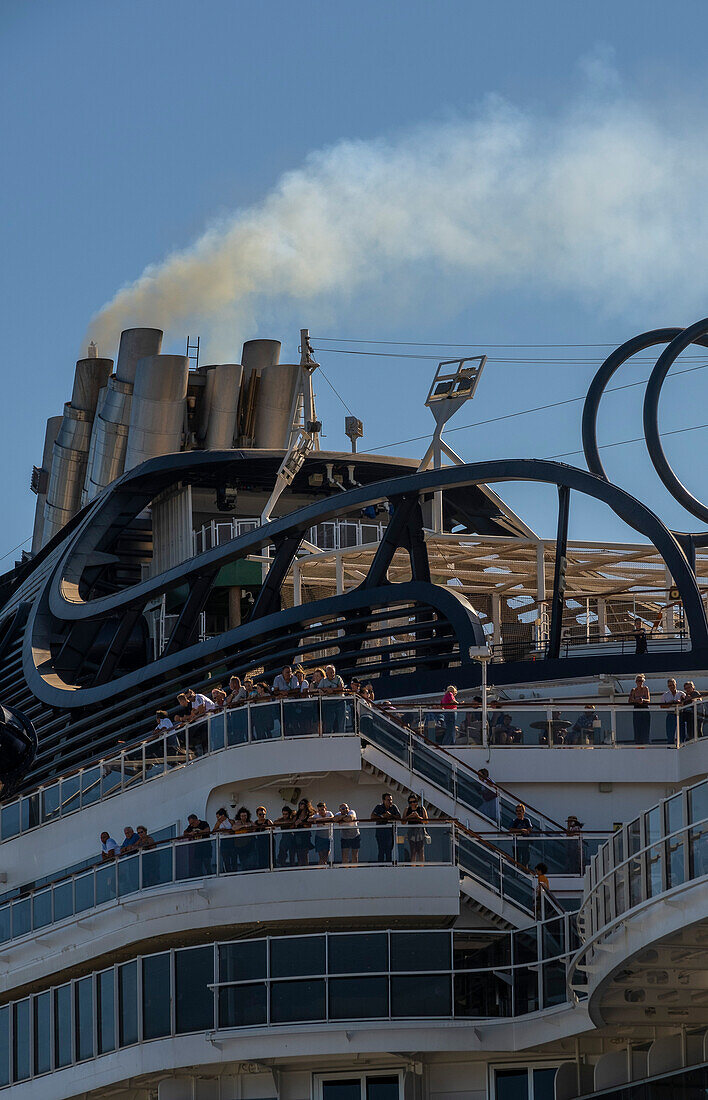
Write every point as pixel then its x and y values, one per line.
pixel 559 572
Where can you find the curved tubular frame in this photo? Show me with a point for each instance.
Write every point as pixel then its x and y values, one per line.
pixel 61 599
pixel 694 334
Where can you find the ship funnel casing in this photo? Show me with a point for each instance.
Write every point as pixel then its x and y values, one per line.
pixel 274 405
pixel 54 424
pixel 222 392
pixel 158 408
pixel 66 479
pixel 136 344
pixel 255 357
pixel 90 377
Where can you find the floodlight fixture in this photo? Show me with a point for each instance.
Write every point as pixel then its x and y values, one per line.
pixel 454 383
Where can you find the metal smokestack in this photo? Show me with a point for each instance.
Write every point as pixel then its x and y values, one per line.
pixel 274 405
pixel 223 390
pixel 40 479
pixel 158 408
pixel 256 356
pixel 71 447
pixel 110 432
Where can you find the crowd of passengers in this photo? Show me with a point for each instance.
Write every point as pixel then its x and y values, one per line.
pixel 296 834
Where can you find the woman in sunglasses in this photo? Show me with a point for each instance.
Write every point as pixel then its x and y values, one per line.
pixel 414 817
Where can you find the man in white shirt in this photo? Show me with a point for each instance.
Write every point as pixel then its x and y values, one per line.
pixel 285 683
pixel 110 848
pixel 164 725
pixel 671 700
pixel 350 837
pixel 334 713
pixel 322 837
pixel 201 704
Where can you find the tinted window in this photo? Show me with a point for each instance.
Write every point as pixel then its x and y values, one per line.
pixel 358 998
pixel 21 1040
pixel 382 1088
pixel 362 954
pixel 128 1003
pixel 297 1001
pixel 62 1026
pixel 480 950
pixel 42 1033
pixel 156 997
pixel 346 1089
pixel 420 995
pixel 525 947
pixel 543 1082
pixel 84 1019
pixel 512 1084
pixel 420 951
pixel 243 1005
pixel 297 955
pixel 106 1012
pixel 242 962
pixel 4 1046
pixel 194 1001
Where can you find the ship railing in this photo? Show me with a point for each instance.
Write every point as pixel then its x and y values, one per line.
pixel 317 716
pixel 371 977
pixel 558 725
pixel 555 726
pixel 271 849
pixel 579 643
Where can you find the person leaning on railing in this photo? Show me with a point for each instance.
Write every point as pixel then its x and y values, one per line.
pixel 639 698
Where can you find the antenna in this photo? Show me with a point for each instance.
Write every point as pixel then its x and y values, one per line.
pixel 454 384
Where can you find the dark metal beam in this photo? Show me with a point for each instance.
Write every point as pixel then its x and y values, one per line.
pixel 268 599
pixel 116 647
pixel 559 572
pixel 183 630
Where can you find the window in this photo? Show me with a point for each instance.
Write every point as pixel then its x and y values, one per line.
pixel 84 1019
pixel 194 1001
pixel 524 1083
pixel 295 955
pixel 243 1005
pixel 358 953
pixel 42 1033
pixel 358 998
pixel 21 1040
pixel 128 1003
pixel 420 951
pixel 4 1046
pixel 62 1026
pixel 359 1086
pixel 156 997
pixel 106 1012
pixel 242 962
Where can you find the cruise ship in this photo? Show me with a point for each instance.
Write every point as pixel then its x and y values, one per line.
pixel 321 777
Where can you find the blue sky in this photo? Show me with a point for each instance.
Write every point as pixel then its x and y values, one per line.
pixel 129 128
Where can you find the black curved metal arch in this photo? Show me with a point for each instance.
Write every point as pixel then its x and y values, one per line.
pixel 130 494
pixel 694 334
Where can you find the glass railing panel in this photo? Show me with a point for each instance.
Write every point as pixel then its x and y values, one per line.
pixel 90 785
pixel 642 726
pixel 42 908
pixel 698 802
pixel 156 866
pixel 84 892
pixel 29 811
pixel 133 767
pixel 479 861
pixel 507 726
pixel 518 887
pixel 386 735
pixel 526 992
pixel 106 882
pixel 196 738
pixel 128 874
pixel 265 721
pixel 5 922
pixel 217 732
pixel 70 794
pixel 195 858
pixel 337 714
pixel 698 847
pixel 471 792
pixel 433 766
pixel 301 717
pixel 675 861
pixel 21 917
pixel 63 900
pixel 554 978
pixel 285 851
pixel 10 820
pixel 111 776
pixel 237 726
pixel 654 860
pixel 441 727
pixel 580 727
pixel 155 758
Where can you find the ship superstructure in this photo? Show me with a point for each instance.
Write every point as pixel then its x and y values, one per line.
pixel 537 932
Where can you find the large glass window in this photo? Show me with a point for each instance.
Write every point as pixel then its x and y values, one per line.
pixel 420 951
pixel 243 1005
pixel 242 962
pixel 292 1001
pixel 194 1001
pixel 525 1083
pixel 5 1046
pixel 84 1019
pixel 479 950
pixel 43 1032
pixel 63 1019
pixel 106 1012
pixel 157 1019
pixel 128 1003
pixel 420 995
pixel 358 953
pixel 359 1087
pixel 358 998
pixel 21 1040
pixel 293 955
